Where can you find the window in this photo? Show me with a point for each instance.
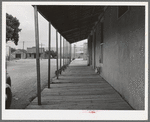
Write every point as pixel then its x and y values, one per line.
pixel 18 55
pixel 122 10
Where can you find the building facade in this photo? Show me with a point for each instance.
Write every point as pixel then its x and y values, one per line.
pixel 31 52
pixel 116 45
pixel 19 54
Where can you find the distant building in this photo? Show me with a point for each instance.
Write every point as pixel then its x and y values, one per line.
pixel 31 52
pixel 19 54
pixel 79 54
pixel 52 48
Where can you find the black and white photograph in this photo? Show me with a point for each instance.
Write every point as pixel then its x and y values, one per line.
pixel 74 60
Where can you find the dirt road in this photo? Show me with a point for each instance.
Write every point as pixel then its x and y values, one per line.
pixel 24 80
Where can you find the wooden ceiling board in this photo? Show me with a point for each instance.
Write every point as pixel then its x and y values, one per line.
pixel 73 22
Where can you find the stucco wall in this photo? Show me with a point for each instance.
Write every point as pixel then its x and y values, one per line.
pixel 123 57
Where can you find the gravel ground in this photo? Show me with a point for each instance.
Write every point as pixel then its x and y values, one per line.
pixel 24 80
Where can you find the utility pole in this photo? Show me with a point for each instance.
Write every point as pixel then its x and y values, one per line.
pixel 23 49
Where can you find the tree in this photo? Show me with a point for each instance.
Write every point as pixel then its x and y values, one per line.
pixel 12 29
pixel 52 53
pixel 13 50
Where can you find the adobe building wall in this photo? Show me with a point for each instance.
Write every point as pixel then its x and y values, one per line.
pixel 123 53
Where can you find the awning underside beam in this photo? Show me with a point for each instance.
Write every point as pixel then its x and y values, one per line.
pixel 74 23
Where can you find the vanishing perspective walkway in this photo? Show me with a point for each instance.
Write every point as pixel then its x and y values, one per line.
pixel 80 88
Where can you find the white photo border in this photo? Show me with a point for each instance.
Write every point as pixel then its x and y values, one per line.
pixel 74 114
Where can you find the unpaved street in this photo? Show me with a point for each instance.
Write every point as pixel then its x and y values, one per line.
pixel 24 80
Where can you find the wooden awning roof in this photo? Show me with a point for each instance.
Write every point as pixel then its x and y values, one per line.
pixel 74 22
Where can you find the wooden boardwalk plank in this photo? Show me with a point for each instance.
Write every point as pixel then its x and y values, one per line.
pixel 80 88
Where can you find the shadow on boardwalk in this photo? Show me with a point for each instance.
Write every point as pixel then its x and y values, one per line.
pixel 80 88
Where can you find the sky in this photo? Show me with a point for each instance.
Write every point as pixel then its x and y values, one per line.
pixel 25 15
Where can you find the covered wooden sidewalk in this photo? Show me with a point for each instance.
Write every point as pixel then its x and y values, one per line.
pixel 80 88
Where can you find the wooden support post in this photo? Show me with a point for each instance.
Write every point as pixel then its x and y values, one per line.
pixel 41 52
pixel 74 51
pixel 49 57
pixel 63 52
pixel 37 55
pixel 57 50
pixel 70 52
pixel 88 52
pixel 60 52
pixel 67 53
pixel 94 39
